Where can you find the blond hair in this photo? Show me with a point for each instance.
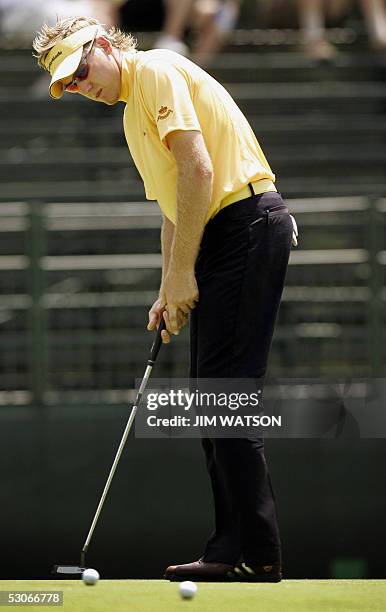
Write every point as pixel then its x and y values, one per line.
pixel 49 36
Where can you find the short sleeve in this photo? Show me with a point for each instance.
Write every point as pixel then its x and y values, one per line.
pixel 168 98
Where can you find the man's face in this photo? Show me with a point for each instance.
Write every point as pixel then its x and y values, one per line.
pixel 103 80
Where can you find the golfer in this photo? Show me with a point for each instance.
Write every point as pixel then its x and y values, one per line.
pixel 226 239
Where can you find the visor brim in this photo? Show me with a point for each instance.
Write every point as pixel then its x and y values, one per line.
pixel 64 71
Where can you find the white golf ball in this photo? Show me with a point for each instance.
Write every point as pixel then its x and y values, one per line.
pixel 90 576
pixel 188 589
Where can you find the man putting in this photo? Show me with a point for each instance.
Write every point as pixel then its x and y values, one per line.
pixel 226 239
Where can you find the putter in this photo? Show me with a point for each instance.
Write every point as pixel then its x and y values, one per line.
pixel 77 570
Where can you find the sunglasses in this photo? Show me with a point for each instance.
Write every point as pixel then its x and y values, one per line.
pixel 81 73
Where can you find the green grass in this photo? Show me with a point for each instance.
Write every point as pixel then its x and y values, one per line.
pixel 159 595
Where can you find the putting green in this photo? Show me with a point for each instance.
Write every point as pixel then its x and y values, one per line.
pixel 159 595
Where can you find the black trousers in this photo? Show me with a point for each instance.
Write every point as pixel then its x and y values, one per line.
pixel 240 272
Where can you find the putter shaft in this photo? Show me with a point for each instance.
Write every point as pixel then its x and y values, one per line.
pixel 153 356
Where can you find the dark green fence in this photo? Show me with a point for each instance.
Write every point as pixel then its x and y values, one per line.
pixel 77 281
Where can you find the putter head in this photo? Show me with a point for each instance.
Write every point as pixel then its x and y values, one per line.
pixel 74 571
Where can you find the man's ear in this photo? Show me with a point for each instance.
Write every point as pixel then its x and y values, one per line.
pixel 104 43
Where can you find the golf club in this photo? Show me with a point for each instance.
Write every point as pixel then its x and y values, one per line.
pixel 76 570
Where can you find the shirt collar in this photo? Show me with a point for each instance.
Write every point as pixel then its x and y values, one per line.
pixel 127 74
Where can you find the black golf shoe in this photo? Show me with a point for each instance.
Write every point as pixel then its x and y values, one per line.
pixel 257 573
pixel 200 571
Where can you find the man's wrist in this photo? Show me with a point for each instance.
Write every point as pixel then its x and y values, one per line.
pixel 178 268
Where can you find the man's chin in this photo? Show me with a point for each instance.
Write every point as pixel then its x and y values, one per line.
pixel 110 102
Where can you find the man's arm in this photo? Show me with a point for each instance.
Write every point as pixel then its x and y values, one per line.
pixel 194 192
pixel 167 233
pixel 155 313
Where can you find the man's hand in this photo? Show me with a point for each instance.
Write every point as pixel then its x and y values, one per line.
pixel 155 316
pixel 157 311
pixel 181 294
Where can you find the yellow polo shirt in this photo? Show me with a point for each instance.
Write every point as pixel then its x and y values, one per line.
pixel 165 92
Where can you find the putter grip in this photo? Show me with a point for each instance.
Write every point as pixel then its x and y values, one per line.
pixel 157 342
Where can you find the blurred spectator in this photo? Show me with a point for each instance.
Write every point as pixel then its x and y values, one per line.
pixel 178 13
pixel 312 14
pixel 211 19
pixel 312 18
pixel 374 12
pixel 19 19
pixel 214 21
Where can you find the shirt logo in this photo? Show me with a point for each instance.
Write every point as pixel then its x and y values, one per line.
pixel 164 112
